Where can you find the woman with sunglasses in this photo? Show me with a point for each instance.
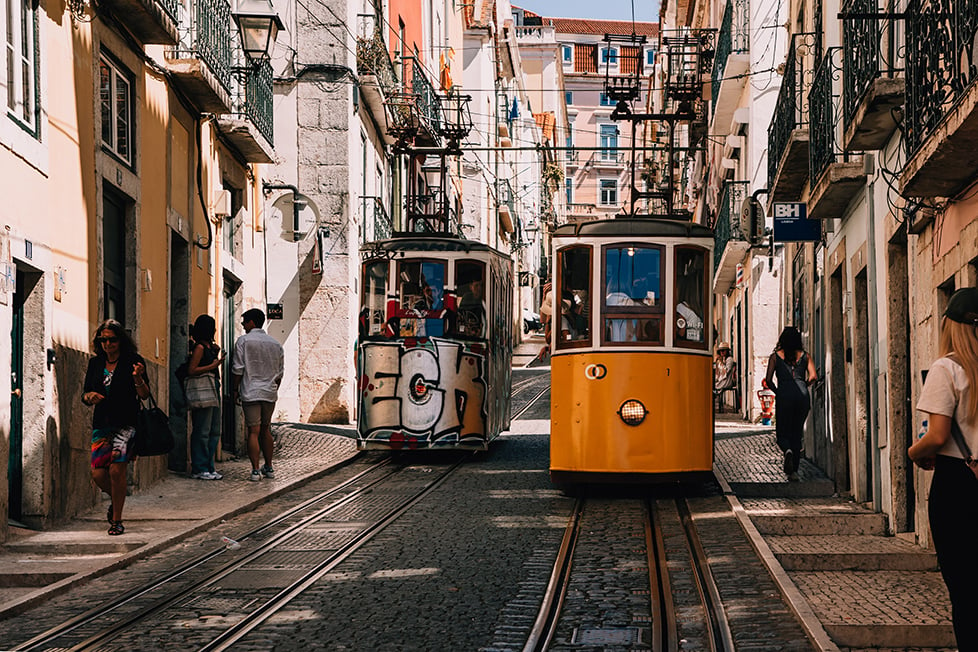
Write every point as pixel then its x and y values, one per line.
pixel 114 383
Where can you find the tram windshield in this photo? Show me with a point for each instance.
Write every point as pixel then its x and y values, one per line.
pixel 574 309
pixel 372 303
pixel 470 288
pixel 633 307
pixel 691 296
pixel 421 294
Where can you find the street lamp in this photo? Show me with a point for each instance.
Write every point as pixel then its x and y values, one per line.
pixel 258 25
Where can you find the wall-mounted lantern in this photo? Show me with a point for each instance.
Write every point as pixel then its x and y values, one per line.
pixel 258 25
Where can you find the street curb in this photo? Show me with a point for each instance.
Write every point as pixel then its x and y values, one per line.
pixel 45 593
pixel 789 590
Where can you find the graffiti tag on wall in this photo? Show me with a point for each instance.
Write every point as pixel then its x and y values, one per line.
pixel 423 394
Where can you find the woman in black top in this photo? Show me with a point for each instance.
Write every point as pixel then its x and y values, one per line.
pixel 794 371
pixel 114 383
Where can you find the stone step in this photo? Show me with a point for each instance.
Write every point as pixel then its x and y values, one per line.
pixel 819 487
pixel 41 548
pixel 849 607
pixel 838 553
pixel 30 579
pixel 806 525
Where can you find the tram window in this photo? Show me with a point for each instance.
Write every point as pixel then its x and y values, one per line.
pixel 470 288
pixel 632 294
pixel 421 294
pixel 690 296
pixel 373 309
pixel 575 303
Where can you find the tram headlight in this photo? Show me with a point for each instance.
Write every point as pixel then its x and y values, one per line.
pixel 632 412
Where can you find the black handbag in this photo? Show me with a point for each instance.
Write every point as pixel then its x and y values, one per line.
pixel 153 435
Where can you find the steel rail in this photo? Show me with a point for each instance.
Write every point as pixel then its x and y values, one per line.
pixel 95 641
pixel 530 403
pixel 664 634
pixel 721 638
pixel 88 616
pixel 265 611
pixel 553 597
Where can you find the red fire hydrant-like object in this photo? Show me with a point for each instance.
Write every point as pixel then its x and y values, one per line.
pixel 766 397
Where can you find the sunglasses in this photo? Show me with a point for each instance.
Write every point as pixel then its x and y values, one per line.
pixel 109 340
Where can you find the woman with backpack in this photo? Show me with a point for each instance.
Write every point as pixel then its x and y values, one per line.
pixel 794 371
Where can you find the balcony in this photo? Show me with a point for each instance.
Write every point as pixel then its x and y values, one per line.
pixel 609 159
pixel 249 125
pixel 836 176
pixel 732 61
pixel 374 220
pixel 787 159
pixel 201 62
pixel 414 111
pixel 150 21
pixel 378 80
pixel 729 235
pixel 506 205
pixel 871 89
pixel 941 121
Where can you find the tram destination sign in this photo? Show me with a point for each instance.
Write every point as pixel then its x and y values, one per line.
pixel 791 223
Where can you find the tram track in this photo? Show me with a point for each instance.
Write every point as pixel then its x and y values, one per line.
pixel 325 535
pixel 664 559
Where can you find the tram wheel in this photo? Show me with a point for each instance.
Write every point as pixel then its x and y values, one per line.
pixel 571 489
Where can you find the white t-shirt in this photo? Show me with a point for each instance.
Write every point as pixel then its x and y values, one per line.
pixel 946 392
pixel 260 361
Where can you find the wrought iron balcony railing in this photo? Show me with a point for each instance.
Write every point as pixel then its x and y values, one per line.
pixel 373 57
pixel 942 63
pixel 734 38
pixel 375 219
pixel 415 108
pixel 863 59
pixel 791 109
pixel 823 117
pixel 504 195
pixel 256 100
pixel 728 223
pixel 207 36
pixel 171 7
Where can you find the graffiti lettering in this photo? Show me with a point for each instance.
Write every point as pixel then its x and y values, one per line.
pixel 431 390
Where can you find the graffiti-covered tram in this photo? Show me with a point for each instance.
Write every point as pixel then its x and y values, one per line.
pixel 631 342
pixel 434 351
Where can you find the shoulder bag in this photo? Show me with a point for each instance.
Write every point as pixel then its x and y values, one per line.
pixel 153 435
pixel 201 391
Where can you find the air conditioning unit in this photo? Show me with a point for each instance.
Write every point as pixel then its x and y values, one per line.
pixel 222 204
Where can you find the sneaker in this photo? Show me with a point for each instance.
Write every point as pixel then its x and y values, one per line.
pixel 268 472
pixel 216 476
pixel 203 475
pixel 256 476
pixel 789 462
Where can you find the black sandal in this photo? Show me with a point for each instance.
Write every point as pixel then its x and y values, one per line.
pixel 117 528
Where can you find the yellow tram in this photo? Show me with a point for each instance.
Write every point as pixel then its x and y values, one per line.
pixel 631 363
pixel 434 351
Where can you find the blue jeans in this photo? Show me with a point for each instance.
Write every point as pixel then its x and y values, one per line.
pixel 204 438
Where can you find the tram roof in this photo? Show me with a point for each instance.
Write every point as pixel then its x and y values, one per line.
pixel 638 226
pixel 429 243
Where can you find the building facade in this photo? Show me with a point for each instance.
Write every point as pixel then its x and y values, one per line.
pixel 134 143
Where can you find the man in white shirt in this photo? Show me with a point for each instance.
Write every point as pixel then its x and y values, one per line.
pixel 257 369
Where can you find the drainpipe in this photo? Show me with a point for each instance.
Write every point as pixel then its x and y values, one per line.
pixel 268 187
pixel 873 420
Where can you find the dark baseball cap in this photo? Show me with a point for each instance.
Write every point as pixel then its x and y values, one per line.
pixel 963 306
